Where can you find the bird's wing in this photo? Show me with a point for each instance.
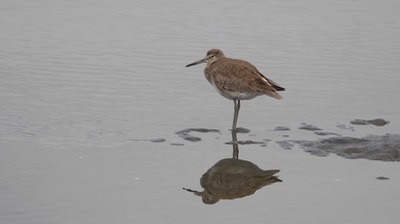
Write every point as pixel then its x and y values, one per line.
pixel 240 75
pixel 273 84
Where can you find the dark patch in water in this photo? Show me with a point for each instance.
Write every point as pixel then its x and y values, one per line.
pixel 323 133
pixel 154 140
pixel 281 128
pixel 382 178
pixel 374 147
pixel 190 138
pixel 247 142
pixel 285 144
pixel 376 122
pixel 342 140
pixel 157 140
pixel 242 130
pixel 309 127
pixel 177 144
pixel 203 130
pixel 186 136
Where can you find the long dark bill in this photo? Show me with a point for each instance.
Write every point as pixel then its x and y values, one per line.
pixel 198 193
pixel 197 62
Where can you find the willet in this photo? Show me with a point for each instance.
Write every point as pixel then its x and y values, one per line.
pixel 236 79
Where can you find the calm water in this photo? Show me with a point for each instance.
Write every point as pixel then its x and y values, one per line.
pixel 78 74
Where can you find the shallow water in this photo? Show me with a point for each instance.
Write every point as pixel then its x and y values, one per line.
pixel 93 93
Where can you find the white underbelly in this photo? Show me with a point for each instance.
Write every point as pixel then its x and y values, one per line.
pixel 232 95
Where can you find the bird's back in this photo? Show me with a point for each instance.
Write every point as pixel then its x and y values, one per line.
pixel 238 79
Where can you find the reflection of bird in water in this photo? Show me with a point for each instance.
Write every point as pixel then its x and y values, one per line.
pixel 233 178
pixel 236 79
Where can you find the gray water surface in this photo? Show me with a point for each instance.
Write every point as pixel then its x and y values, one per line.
pixel 87 85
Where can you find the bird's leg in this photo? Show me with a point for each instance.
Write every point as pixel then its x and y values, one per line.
pixel 236 114
pixel 235 145
pixel 234 136
pixel 235 151
pixel 234 130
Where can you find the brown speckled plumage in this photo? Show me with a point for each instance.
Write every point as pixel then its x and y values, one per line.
pixel 236 79
pixel 235 75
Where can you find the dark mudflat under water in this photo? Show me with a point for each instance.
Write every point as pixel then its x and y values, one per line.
pixel 374 147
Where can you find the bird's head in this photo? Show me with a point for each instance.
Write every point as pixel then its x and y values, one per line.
pixel 212 56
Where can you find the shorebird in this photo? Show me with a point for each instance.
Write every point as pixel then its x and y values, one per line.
pixel 236 79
